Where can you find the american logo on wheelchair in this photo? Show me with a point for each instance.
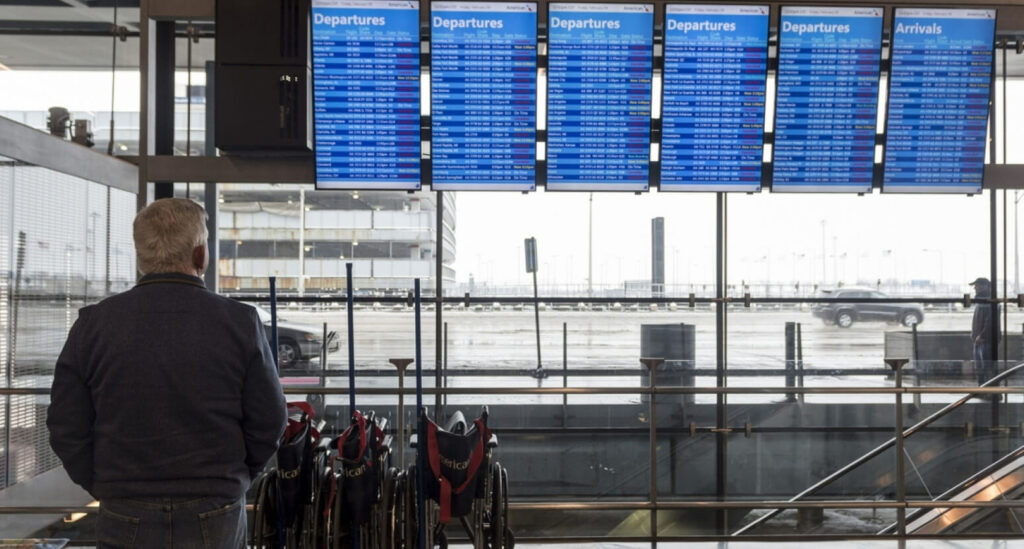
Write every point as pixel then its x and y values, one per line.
pixel 355 472
pixel 455 465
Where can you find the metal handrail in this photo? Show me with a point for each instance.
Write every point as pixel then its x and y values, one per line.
pixel 291 390
pixel 963 485
pixel 683 300
pixel 637 506
pixel 882 447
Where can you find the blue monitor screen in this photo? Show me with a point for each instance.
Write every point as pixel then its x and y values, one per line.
pixel 826 105
pixel 366 94
pixel 713 97
pixel 938 100
pixel 599 96
pixel 483 95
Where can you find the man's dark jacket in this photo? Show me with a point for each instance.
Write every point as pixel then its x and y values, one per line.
pixel 984 324
pixel 166 390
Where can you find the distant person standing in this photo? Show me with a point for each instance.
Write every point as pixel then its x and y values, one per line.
pixel 165 401
pixel 984 330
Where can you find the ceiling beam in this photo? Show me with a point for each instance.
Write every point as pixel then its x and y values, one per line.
pixel 37 148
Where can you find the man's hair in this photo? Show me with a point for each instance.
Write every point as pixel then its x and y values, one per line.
pixel 165 234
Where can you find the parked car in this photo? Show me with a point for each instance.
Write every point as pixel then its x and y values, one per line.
pixel 297 343
pixel 845 314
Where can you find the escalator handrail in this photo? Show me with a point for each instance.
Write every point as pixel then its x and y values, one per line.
pixel 841 472
pixel 963 485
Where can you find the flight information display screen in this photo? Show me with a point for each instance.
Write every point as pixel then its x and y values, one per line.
pixel 826 103
pixel 938 100
pixel 483 95
pixel 599 96
pixel 366 94
pixel 713 97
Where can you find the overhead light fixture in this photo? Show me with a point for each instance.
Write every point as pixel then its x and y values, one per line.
pixel 122 147
pixel 355 242
pixel 355 195
pixel 308 248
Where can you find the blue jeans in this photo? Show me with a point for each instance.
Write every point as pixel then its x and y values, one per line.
pixel 185 523
pixel 984 366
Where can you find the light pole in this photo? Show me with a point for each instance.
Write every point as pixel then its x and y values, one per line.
pixel 824 259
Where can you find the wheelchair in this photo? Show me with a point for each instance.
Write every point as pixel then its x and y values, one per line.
pixel 355 486
pixel 461 481
pixel 282 511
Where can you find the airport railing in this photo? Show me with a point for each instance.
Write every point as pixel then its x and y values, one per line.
pixel 653 505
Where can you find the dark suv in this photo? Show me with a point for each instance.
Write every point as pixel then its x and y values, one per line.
pixel 845 314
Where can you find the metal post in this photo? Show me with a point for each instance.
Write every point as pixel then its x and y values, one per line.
pixel 539 372
pixel 652 367
pixel 420 427
pixel 565 371
pixel 444 380
pixel 790 359
pixel 323 355
pixel 163 107
pixel 273 322
pixel 106 268
pixel 401 364
pixel 800 358
pixel 302 244
pixel 721 352
pixel 897 365
pixel 210 197
pixel 438 299
pixel 350 305
pixel 917 364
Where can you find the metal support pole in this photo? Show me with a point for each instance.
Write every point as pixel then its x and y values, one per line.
pixel 420 427
pixel 444 380
pixel 323 354
pixel 163 109
pixel 210 197
pixel 273 322
pixel 349 309
pixel 721 327
pixel 652 367
pixel 897 365
pixel 917 364
pixel 790 359
pixel 800 358
pixel 302 244
pixel 438 293
pixel 536 317
pixel 565 371
pixel 106 268
pixel 401 364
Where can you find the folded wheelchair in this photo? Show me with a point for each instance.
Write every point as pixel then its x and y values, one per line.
pixel 353 502
pixel 462 482
pixel 282 516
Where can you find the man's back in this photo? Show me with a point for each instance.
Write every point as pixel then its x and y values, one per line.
pixel 182 389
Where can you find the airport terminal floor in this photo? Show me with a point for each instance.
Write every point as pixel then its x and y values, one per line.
pixel 530 274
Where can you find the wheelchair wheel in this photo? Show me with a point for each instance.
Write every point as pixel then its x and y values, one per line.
pixel 498 509
pixel 387 508
pixel 510 540
pixel 264 528
pixel 321 505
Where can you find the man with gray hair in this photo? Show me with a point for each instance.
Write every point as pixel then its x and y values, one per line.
pixel 166 401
